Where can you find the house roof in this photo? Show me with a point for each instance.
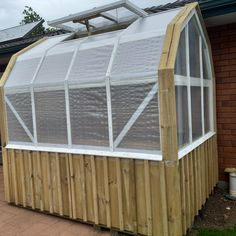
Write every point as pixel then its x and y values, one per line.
pixel 19 31
pixel 168 6
pixel 209 8
pixel 212 8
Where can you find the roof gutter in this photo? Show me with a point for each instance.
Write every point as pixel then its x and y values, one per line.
pixel 210 8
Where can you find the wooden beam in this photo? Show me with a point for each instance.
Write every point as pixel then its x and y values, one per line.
pixel 168 122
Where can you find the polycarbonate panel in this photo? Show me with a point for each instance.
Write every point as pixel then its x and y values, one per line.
pixel 64 47
pixel 90 66
pixel 88 113
pixel 144 133
pixel 51 117
pixel 22 73
pixel 53 69
pixel 181 97
pixel 16 133
pixel 206 64
pixel 22 104
pixel 196 112
pixel 100 40
pixel 39 50
pixel 194 48
pixel 137 59
pixel 180 63
pixel 154 23
pixel 207 109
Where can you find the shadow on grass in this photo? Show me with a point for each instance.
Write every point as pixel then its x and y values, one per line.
pixel 215 232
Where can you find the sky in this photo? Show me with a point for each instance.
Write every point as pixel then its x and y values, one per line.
pixel 11 10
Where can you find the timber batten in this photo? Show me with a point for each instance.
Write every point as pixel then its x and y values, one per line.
pixel 134 195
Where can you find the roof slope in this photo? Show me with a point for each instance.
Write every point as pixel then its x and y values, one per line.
pixel 19 31
pixel 168 6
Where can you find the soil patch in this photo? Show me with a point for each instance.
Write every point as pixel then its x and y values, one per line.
pixel 217 213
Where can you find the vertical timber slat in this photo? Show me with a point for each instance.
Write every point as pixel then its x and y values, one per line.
pixel 94 183
pixel 22 179
pixel 148 197
pixel 120 201
pixel 107 193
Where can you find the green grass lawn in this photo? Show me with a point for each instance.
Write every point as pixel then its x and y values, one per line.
pixel 212 232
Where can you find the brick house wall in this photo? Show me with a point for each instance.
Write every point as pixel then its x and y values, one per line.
pixel 223 42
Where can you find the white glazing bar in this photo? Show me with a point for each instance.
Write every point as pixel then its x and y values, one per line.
pixel 33 100
pixel 67 98
pixel 136 10
pixel 108 91
pixel 68 122
pixel 136 115
pixel 202 87
pixel 109 112
pixel 189 148
pixel 189 84
pixel 32 94
pixel 19 119
pixel 211 99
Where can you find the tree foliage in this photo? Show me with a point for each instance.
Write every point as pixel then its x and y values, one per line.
pixel 29 16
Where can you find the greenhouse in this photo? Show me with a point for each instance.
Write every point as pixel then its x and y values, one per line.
pixel 114 128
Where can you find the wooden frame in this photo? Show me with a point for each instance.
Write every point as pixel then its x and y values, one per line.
pixel 135 196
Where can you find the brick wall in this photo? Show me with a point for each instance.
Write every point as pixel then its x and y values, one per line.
pixel 223 41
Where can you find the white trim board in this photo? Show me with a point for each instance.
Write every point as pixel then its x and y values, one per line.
pixel 122 154
pixel 184 151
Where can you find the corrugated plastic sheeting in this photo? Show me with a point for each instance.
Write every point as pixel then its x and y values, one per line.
pixel 83 72
pixel 199 90
pixel 144 133
pixel 39 50
pixel 180 63
pixel 27 63
pixel 137 59
pixel 22 73
pixel 89 119
pixel 22 104
pixel 84 63
pixel 196 112
pixel 207 109
pixel 194 60
pixel 53 70
pixel 16 133
pixel 182 115
pixel 206 64
pixel 51 117
pixel 155 24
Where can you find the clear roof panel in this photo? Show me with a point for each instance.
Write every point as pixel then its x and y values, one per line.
pixel 56 64
pixel 98 91
pixel 107 18
pixel 22 73
pixel 83 72
pixel 194 48
pixel 137 55
pixel 53 69
pixel 135 59
pixel 38 50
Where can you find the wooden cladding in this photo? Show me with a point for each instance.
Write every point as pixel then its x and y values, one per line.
pixel 198 175
pixel 122 194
